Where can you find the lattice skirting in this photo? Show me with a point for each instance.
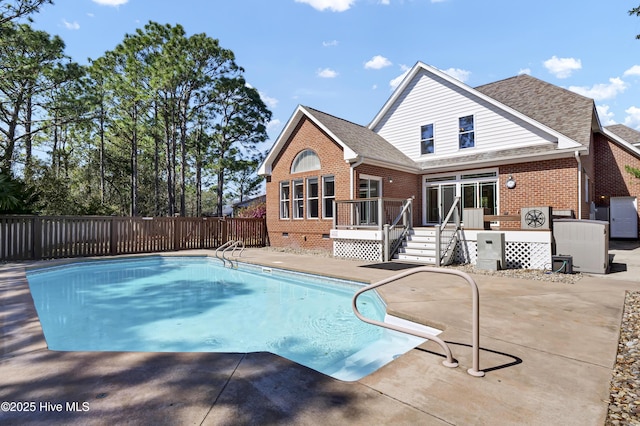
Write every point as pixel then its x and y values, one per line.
pixel 518 255
pixel 358 249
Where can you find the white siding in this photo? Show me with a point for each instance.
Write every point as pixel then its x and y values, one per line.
pixel 429 99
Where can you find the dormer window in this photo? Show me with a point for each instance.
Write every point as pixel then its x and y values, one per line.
pixel 305 161
pixel 426 139
pixel 466 135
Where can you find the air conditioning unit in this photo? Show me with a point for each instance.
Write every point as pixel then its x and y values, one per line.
pixel 535 218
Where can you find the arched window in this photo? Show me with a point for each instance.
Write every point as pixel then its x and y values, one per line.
pixel 305 160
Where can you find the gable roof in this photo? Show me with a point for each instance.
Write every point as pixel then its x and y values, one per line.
pixel 627 133
pixel 358 142
pixel 362 140
pixel 560 109
pixel 500 90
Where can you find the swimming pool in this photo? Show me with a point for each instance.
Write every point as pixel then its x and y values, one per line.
pixel 194 304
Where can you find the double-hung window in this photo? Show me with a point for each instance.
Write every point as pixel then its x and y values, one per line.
pixel 312 198
pixel 285 193
pixel 328 195
pixel 426 139
pixel 298 199
pixel 466 135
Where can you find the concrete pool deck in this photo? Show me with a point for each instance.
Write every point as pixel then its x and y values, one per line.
pixel 548 350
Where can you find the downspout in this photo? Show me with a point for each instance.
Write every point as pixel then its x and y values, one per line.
pixel 352 175
pixel 577 155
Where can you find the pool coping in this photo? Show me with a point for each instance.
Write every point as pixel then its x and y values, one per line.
pixel 537 371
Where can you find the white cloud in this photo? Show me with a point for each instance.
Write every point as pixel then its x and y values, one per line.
pixel 327 73
pixel 602 91
pixel 525 71
pixel 562 67
pixel 377 62
pixel 273 124
pixel 634 70
pixel 269 101
pixel 606 116
pixel 330 43
pixel 385 2
pixel 633 117
pixel 332 5
pixel 396 81
pixel 462 75
pixel 71 25
pixel 114 3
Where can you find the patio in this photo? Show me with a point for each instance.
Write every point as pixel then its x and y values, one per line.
pixel 548 350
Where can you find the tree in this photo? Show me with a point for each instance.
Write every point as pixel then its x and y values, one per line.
pixel 635 11
pixel 15 197
pixel 240 124
pixel 14 9
pixel 32 64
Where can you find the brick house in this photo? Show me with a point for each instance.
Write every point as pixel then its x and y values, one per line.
pixel 500 147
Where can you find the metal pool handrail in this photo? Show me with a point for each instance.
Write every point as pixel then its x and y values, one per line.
pixel 223 247
pixel 449 362
pixel 233 247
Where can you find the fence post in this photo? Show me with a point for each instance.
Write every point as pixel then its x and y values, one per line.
pixel 36 239
pixel 113 243
pixel 176 233
pixel 224 234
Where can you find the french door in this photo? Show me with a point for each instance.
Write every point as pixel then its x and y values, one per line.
pixel 439 199
pixel 369 187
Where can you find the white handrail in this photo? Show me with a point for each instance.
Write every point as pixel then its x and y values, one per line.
pixel 449 362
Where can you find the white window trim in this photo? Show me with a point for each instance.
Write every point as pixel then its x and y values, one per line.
pixel 294 204
pixel 309 198
pixel 282 200
pixel 325 197
pixel 433 125
pixel 458 181
pixel 475 132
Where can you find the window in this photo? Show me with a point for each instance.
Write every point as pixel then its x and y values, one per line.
pixel 328 195
pixel 285 192
pixel 426 139
pixel 298 199
pixel 312 198
pixel 466 137
pixel 305 161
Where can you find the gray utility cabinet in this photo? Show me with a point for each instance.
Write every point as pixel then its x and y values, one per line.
pixel 586 241
pixel 491 251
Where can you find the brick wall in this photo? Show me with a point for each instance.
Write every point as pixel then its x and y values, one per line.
pixel 612 178
pixel 403 185
pixel 542 183
pixel 305 233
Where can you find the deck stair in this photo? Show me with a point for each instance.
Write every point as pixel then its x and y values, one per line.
pixel 420 246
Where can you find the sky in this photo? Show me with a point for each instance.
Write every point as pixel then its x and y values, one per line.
pixel 345 57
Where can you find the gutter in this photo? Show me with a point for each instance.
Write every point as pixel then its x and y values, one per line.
pixel 352 173
pixel 577 155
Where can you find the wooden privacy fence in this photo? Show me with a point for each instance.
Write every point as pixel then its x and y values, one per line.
pixel 50 237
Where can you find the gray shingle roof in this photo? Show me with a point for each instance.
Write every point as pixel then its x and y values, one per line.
pixel 361 140
pixel 560 109
pixel 627 133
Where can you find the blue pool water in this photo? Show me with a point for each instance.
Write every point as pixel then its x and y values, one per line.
pixel 194 304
